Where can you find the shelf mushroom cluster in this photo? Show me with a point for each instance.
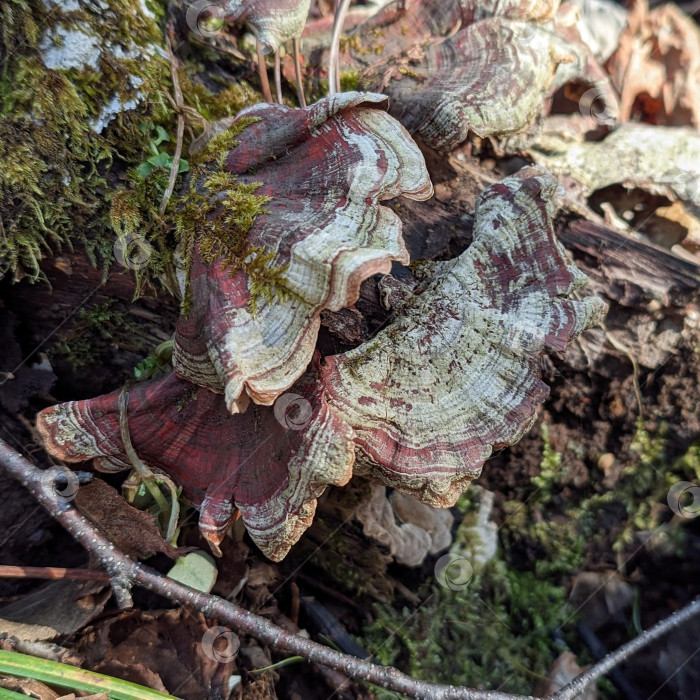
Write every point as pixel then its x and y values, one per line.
pixel 288 221
pixel 453 69
pixel 456 374
pixel 422 404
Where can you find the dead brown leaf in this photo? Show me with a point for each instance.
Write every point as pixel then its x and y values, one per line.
pixel 29 687
pixel 132 531
pixel 56 608
pixel 162 649
pixel 656 68
pixel 565 669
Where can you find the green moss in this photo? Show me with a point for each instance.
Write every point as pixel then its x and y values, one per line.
pixel 218 213
pixel 54 168
pixel 156 364
pixel 644 485
pixel 63 184
pixel 352 43
pixel 637 503
pixel 228 102
pixel 412 74
pixel 349 81
pixel 85 341
pixel 496 633
pixel 551 471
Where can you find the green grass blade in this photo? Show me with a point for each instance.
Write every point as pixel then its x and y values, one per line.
pixel 6 694
pixel 65 676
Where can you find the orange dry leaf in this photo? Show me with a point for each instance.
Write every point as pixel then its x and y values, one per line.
pixel 656 68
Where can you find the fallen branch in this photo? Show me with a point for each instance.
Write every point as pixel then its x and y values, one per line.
pixel 124 572
pixel 579 684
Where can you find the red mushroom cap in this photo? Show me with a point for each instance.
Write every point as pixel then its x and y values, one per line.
pixel 325 170
pixel 270 463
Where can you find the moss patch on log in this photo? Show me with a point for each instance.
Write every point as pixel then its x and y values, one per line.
pixel 67 70
pixel 82 93
pixel 217 214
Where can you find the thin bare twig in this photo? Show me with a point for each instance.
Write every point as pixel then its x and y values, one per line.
pixel 52 572
pixel 180 102
pixel 125 572
pixel 619 345
pixel 278 77
pixel 297 73
pixel 262 72
pixel 146 476
pixel 334 61
pixel 579 684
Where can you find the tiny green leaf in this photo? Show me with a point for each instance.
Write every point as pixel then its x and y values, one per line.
pixel 162 135
pixel 196 570
pixel 162 160
pixel 144 170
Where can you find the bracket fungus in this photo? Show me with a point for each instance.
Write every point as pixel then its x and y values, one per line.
pixel 404 22
pixel 274 22
pixel 456 375
pixel 271 464
pixel 323 171
pixel 421 530
pixel 490 79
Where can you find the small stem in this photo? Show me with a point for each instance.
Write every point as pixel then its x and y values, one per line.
pixel 148 478
pixel 297 73
pixel 262 72
pixel 278 76
pixel 179 101
pixel 145 474
pixel 334 63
